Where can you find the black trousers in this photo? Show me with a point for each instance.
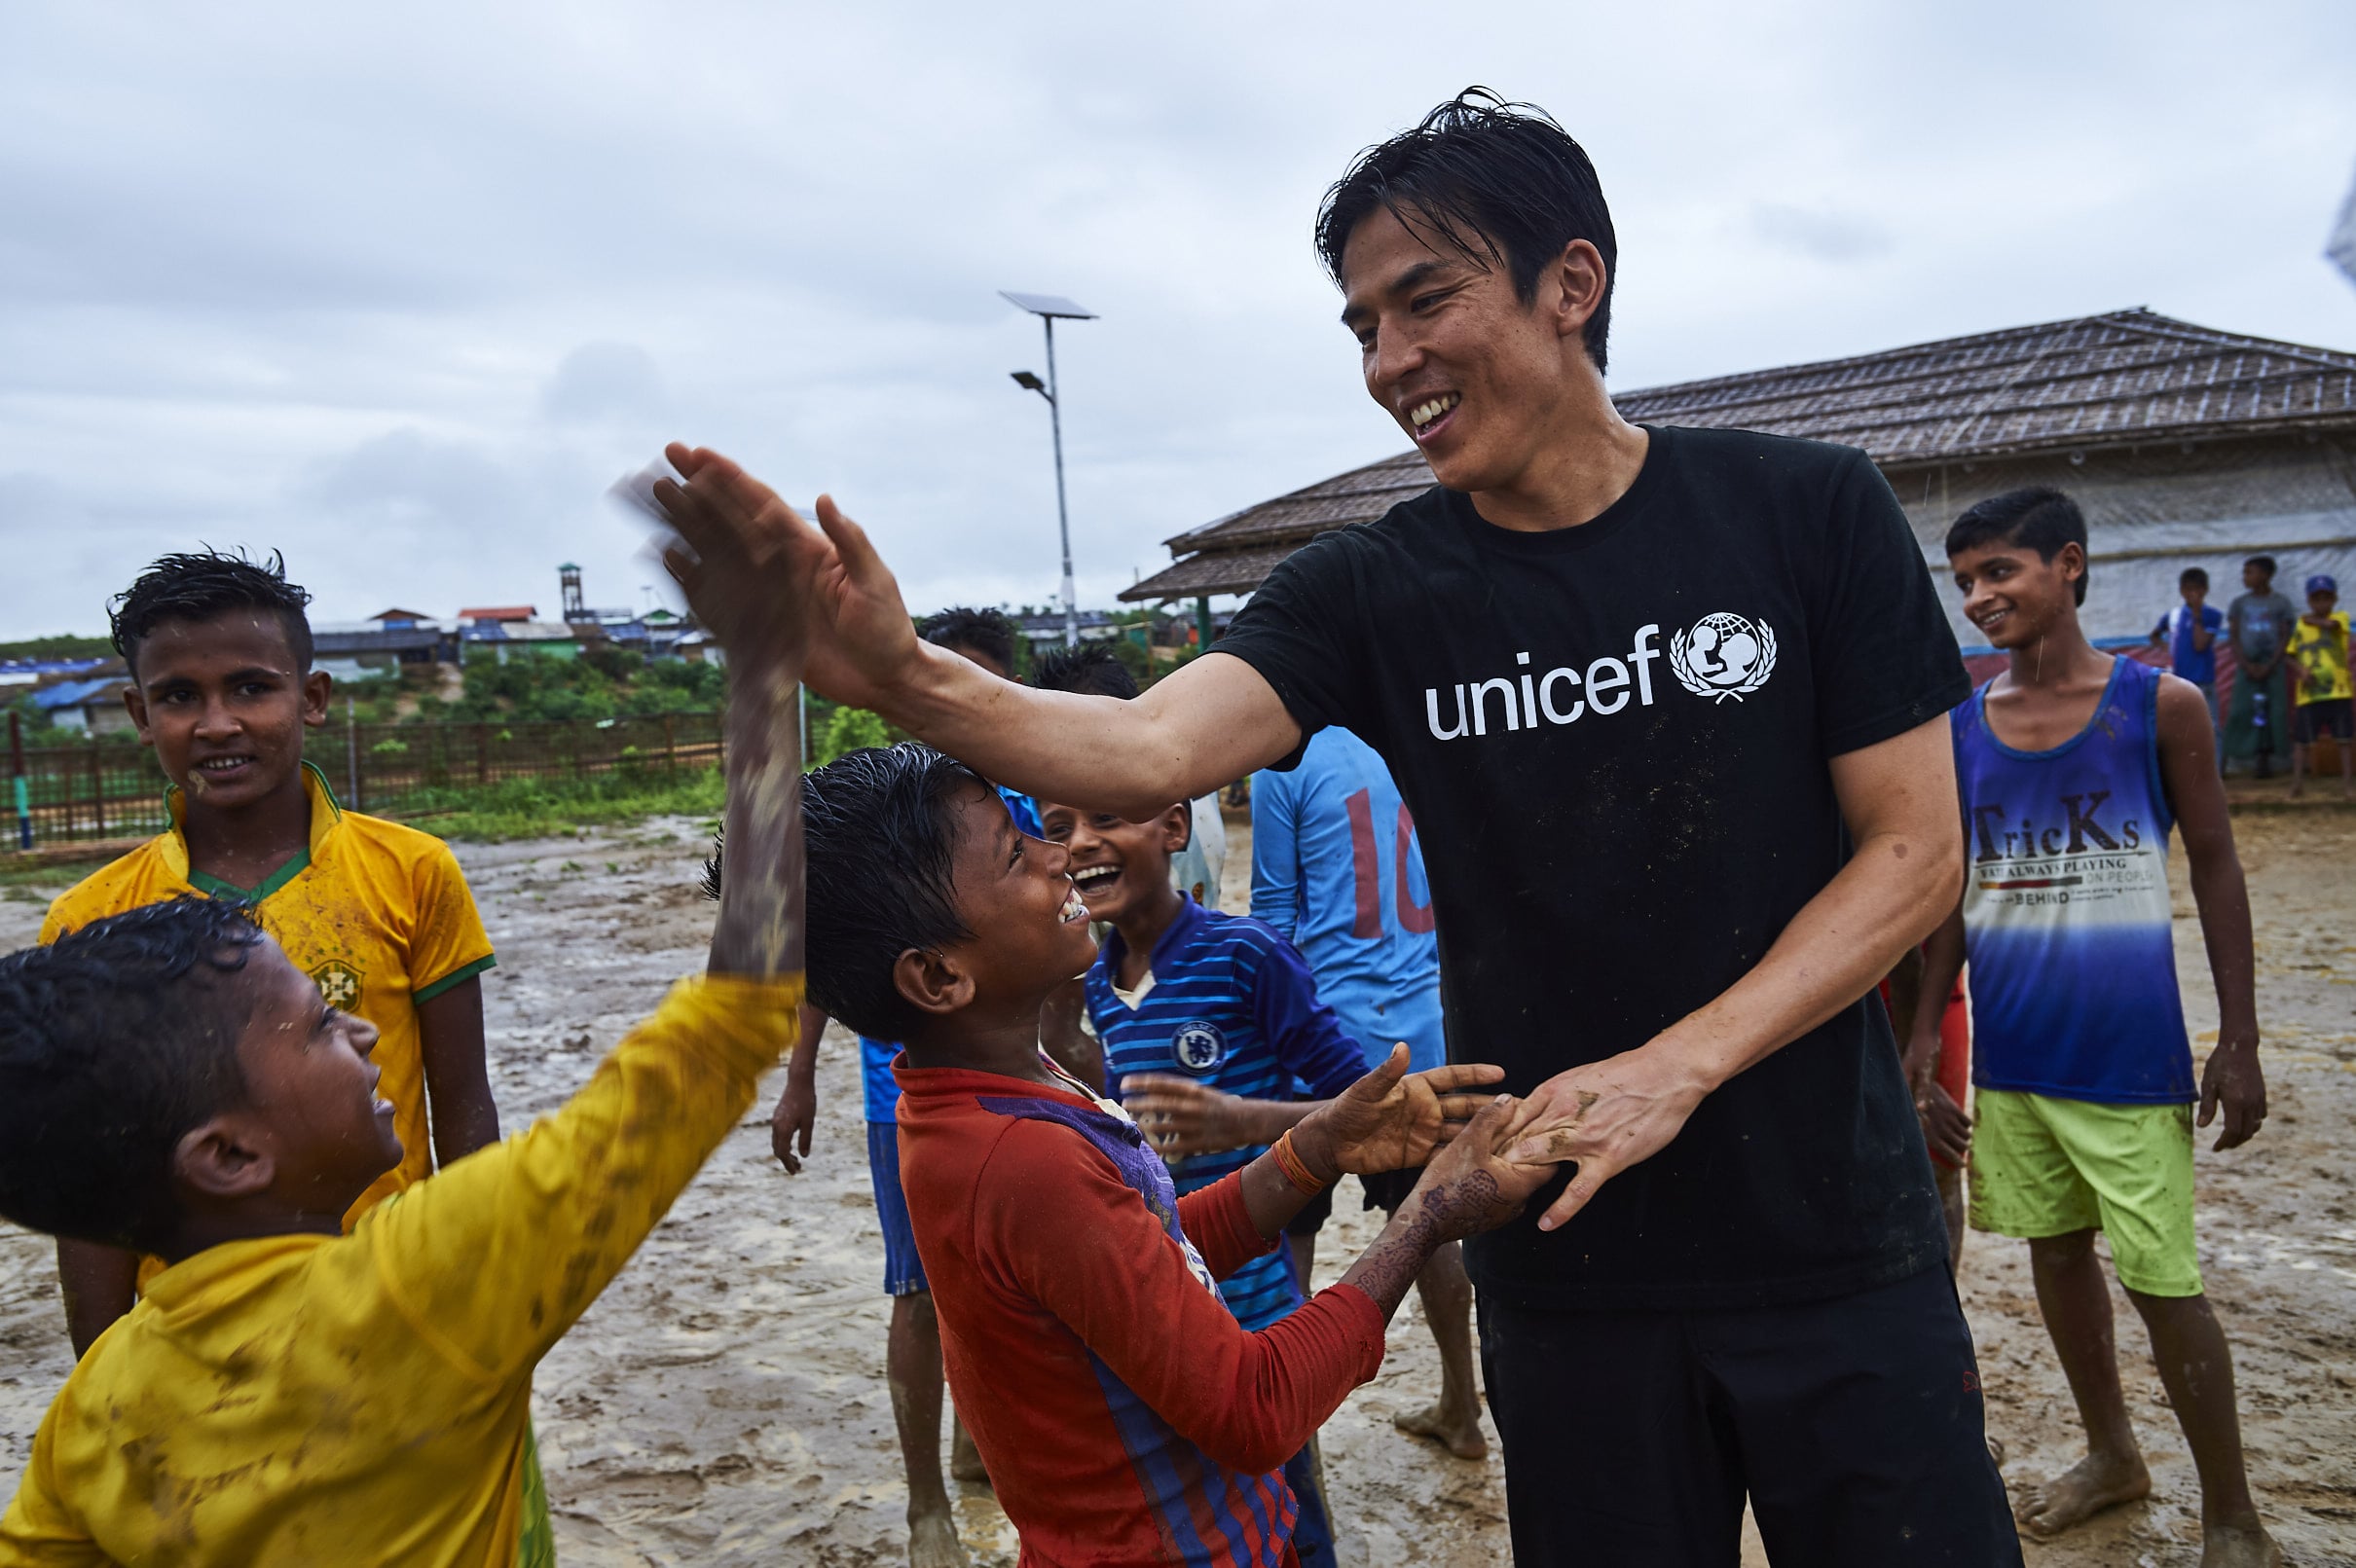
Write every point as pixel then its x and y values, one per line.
pixel 1852 1425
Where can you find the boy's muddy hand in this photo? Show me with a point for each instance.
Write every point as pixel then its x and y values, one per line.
pixel 1474 1183
pixel 861 643
pixel 2235 1081
pixel 1945 1126
pixel 1469 1187
pixel 1180 1116
pixel 1603 1117
pixel 1392 1119
pixel 734 554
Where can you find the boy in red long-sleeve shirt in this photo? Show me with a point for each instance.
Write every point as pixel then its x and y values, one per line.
pixel 1124 1413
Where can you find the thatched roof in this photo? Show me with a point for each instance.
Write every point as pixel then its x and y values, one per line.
pixel 2125 379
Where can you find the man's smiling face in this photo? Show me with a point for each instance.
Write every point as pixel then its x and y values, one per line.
pixel 1475 377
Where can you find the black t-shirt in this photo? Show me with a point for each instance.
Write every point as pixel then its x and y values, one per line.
pixel 1614 739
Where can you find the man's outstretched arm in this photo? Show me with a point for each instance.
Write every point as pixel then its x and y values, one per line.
pixel 1906 873
pixel 1203 727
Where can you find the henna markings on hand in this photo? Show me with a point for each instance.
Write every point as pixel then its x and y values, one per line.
pixel 1390 1266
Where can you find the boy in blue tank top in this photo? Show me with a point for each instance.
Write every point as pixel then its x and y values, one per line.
pixel 2073 768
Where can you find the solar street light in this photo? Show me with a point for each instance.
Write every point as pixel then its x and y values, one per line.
pixel 1051 308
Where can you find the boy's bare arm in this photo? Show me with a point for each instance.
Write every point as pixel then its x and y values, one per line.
pixel 1215 721
pixel 796 1112
pixel 731 560
pixel 458 1079
pixel 2188 764
pixel 1943 963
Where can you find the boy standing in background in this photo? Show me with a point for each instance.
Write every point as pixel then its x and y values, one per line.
pixel 376 914
pixel 2072 767
pixel 2318 654
pixel 2259 621
pixel 1337 872
pixel 2189 633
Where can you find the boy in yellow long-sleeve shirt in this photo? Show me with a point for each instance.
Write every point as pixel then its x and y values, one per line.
pixel 287 1394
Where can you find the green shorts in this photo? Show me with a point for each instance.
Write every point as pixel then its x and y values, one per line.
pixel 2047 1167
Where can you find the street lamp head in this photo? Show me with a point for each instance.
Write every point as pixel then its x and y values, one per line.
pixel 1053 305
pixel 1030 383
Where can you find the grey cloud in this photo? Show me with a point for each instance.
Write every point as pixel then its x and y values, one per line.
pixel 1821 235
pixel 604 381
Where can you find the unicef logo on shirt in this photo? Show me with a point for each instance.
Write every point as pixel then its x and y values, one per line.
pixel 1199 1045
pixel 1725 655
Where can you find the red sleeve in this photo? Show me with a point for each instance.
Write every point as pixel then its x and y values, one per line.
pixel 1216 1221
pixel 1102 1263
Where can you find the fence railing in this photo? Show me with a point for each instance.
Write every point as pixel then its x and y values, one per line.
pixel 109 786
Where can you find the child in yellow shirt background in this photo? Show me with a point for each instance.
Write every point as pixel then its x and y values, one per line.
pixel 2318 656
pixel 376 915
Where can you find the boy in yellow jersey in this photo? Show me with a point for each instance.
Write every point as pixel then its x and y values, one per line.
pixel 286 1394
pixel 2319 662
pixel 376 914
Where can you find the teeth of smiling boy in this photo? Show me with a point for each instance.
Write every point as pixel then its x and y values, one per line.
pixel 1094 874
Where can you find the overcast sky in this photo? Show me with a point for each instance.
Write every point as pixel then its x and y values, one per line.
pixel 399 290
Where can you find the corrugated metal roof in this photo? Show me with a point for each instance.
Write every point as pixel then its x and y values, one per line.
pixel 2121 379
pixel 74 693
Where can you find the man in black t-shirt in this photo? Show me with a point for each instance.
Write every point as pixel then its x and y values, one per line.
pixel 1667 707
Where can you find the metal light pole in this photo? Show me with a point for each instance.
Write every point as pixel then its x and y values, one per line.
pixel 1050 309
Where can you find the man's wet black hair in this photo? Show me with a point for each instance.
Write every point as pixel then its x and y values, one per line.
pixel 987 631
pixel 880 846
pixel 200 586
pixel 2040 517
pixel 115 1040
pixel 1091 669
pixel 1500 183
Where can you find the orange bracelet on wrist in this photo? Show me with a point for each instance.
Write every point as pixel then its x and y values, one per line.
pixel 1295 1169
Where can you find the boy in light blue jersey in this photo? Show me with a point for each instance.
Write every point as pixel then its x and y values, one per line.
pixel 2072 768
pixel 1337 871
pixel 1206 1021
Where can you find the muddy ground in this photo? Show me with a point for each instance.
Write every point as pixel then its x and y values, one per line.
pixel 724 1403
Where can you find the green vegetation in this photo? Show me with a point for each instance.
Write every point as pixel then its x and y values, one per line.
pixel 544 807
pixel 65 645
pixel 605 683
pixel 846 729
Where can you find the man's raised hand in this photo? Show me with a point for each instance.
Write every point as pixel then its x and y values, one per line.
pixel 861 642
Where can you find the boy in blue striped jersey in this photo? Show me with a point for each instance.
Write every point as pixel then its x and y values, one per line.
pixel 1214 1000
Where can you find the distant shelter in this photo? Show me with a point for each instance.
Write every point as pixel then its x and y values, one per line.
pixel 2185 445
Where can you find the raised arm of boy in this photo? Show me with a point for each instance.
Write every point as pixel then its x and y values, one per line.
pixel 538 1226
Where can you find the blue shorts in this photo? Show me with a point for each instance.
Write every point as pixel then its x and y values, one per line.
pixel 903 1270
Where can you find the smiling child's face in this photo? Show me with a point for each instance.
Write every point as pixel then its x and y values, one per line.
pixel 311 1088
pixel 224 703
pixel 1119 866
pixel 1015 895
